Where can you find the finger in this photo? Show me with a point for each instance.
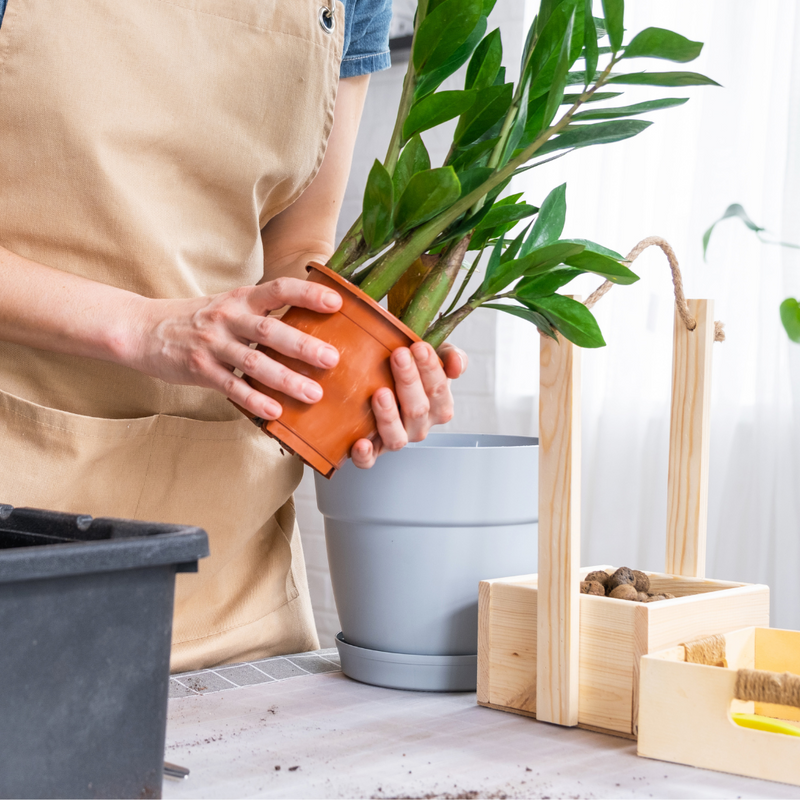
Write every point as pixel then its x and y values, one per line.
pixel 390 425
pixel 455 360
pixel 281 292
pixel 364 454
pixel 270 331
pixel 271 373
pixel 411 394
pixel 242 393
pixel 435 383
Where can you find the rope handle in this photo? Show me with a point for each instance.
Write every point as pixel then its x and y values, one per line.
pixel 763 686
pixel 757 685
pixel 677 281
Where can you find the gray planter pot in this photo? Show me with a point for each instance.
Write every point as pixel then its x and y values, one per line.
pixel 408 542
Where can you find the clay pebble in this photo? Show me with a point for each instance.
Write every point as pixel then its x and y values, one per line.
pixel 641 581
pixel 592 587
pixel 598 576
pixel 624 591
pixel 624 575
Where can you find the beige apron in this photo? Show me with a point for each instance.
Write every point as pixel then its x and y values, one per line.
pixel 144 145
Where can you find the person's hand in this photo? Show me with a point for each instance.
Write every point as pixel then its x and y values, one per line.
pixel 423 397
pixel 201 341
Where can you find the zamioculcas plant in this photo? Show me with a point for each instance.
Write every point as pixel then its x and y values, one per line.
pixel 412 209
pixel 426 230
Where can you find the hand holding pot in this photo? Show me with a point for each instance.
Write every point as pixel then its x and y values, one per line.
pixel 201 341
pixel 423 399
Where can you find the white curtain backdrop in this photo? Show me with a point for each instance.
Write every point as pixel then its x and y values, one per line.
pixel 740 143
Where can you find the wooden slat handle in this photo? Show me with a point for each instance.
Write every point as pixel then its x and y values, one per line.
pixel 559 533
pixel 687 491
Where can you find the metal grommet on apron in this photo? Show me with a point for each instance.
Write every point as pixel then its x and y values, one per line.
pixel 327 19
pixel 170 183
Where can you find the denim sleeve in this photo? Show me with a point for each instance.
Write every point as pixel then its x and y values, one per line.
pixel 366 37
pixel 2 9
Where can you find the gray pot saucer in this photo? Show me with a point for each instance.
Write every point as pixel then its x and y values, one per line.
pixel 404 671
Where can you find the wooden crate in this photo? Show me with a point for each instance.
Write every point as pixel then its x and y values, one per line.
pixel 614 635
pixel 547 651
pixel 685 708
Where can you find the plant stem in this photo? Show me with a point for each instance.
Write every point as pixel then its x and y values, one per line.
pixel 444 326
pixel 400 258
pixel 349 249
pixel 466 281
pixel 406 99
pixel 358 258
pixel 433 291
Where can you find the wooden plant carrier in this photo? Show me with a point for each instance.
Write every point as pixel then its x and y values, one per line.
pixel 686 702
pixel 549 652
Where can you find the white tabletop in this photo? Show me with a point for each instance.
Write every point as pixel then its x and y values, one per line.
pixel 324 735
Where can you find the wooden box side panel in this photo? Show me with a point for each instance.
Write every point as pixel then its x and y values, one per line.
pixel 677 621
pixel 777 651
pixel 607 647
pixel 507 662
pixel 684 718
pixel 682 586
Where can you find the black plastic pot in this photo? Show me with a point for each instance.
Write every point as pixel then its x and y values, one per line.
pixel 85 625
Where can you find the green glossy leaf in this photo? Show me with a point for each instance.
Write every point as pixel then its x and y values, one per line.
pixel 569 99
pixel 485 62
pixel 790 318
pixel 630 111
pixel 571 319
pixel 593 247
pixel 661 43
pixel 663 79
pixel 489 108
pixel 547 53
pixel 590 41
pixel 413 159
pixel 471 179
pixel 546 8
pixel 377 206
pixel 543 285
pixel 532 264
pixel 529 43
pixel 613 12
pixel 469 223
pixel 427 194
pixel 435 109
pixel 443 31
pixel 550 221
pixel 500 215
pixel 518 130
pixel 556 93
pixel 512 251
pixel 494 258
pixel 431 81
pixel 527 314
pixel 474 155
pixel 497 223
pixel 488 5
pixel 600 133
pixel 604 266
pixel 534 123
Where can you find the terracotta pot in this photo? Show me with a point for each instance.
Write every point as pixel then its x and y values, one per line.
pixel 365 334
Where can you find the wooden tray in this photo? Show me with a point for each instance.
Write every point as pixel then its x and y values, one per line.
pixel 685 709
